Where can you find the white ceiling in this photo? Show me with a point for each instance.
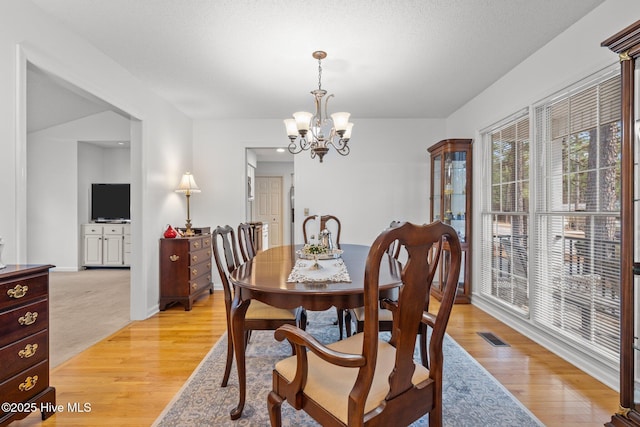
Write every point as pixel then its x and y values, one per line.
pixel 252 58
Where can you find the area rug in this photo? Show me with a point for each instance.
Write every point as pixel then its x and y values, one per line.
pixel 471 396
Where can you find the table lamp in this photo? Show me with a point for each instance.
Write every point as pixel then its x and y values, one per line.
pixel 187 186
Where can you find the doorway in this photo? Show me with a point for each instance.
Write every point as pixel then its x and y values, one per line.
pixel 52 102
pixel 270 179
pixel 73 140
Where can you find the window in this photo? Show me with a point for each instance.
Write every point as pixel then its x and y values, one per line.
pixel 577 216
pixel 550 232
pixel 506 219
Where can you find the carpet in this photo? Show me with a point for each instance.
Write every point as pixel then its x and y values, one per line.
pixel 85 307
pixel 471 396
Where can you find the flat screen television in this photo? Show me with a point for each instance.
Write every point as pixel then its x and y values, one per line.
pixel 110 202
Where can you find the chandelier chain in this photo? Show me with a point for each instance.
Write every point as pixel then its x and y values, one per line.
pixel 319 74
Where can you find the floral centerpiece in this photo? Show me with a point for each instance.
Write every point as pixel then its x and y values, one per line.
pixel 314 249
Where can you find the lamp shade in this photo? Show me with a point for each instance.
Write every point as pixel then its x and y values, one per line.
pixel 292 127
pixel 347 132
pixel 187 184
pixel 303 120
pixel 340 120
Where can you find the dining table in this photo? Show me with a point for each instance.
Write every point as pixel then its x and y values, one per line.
pixel 266 278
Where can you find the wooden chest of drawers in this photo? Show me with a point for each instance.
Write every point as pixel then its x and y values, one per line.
pixel 24 342
pixel 185 270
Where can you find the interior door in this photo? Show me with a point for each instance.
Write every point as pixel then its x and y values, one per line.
pixel 268 203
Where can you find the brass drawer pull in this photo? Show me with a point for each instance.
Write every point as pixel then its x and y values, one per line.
pixel 207 242
pixel 174 258
pixel 194 258
pixel 194 272
pixel 29 350
pixel 28 319
pixel 29 383
pixel 194 286
pixel 18 291
pixel 196 245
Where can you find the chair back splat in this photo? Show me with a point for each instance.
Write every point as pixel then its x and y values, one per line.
pixel 369 381
pixel 246 241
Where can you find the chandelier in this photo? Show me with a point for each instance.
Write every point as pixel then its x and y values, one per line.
pixel 316 132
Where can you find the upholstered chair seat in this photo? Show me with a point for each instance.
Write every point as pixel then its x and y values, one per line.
pixel 329 385
pixel 260 310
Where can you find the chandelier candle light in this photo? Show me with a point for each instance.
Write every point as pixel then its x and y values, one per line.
pixel 315 131
pixel 187 186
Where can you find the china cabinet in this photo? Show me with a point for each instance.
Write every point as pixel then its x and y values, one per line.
pixel 451 204
pixel 626 44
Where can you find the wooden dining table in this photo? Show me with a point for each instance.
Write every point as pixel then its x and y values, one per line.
pixel 264 278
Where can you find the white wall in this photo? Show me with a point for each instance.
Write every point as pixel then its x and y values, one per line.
pixel 385 177
pixel 570 57
pixel 52 205
pixel 161 139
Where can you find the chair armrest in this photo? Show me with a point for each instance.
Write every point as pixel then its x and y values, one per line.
pixel 429 319
pixel 390 305
pixel 302 339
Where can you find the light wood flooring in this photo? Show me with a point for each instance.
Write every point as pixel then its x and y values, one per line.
pixel 130 377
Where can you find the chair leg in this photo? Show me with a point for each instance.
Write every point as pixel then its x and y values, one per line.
pixel 340 313
pixel 301 318
pixel 274 405
pixel 247 336
pixel 347 323
pixel 227 368
pixel 435 416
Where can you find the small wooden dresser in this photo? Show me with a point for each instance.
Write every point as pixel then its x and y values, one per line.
pixel 185 270
pixel 24 342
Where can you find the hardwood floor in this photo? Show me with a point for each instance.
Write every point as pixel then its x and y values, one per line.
pixel 131 376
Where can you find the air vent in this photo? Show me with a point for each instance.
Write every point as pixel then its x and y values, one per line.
pixel 493 340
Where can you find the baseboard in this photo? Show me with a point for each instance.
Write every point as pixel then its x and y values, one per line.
pixel 66 269
pixel 153 310
pixel 598 369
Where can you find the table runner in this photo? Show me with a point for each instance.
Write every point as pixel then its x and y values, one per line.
pixel 333 270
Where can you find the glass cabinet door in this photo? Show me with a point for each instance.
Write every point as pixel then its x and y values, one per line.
pixel 455 191
pixel 437 188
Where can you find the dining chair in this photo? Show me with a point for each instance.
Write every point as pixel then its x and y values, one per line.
pixel 385 316
pixel 246 241
pixel 332 223
pixel 364 380
pixel 259 316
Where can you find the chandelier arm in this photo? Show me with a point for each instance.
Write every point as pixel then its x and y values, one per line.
pixel 293 148
pixel 326 109
pixel 304 145
pixel 341 146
